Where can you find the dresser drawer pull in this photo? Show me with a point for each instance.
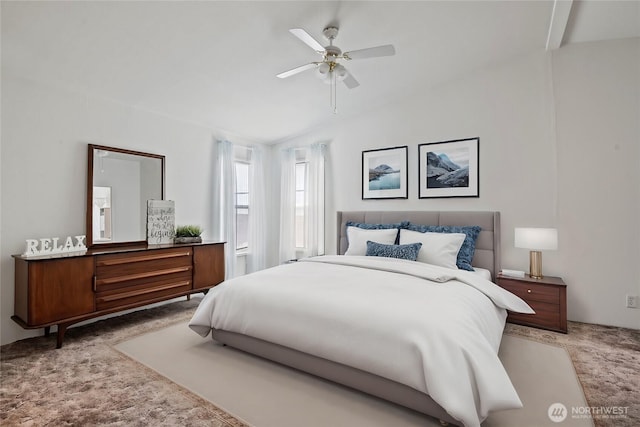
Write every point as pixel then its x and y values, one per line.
pixel 128 260
pixel 144 275
pixel 142 292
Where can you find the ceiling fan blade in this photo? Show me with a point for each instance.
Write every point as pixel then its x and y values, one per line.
pixel 350 81
pixel 371 52
pixel 307 39
pixel 297 70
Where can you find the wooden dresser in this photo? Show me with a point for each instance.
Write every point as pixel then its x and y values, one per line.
pixel 547 296
pixel 63 290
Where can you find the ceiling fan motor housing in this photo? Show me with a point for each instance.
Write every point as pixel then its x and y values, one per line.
pixel 330 33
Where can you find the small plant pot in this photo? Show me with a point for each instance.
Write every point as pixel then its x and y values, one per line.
pixel 179 240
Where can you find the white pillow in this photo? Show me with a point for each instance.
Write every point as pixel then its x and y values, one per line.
pixel 437 248
pixel 358 239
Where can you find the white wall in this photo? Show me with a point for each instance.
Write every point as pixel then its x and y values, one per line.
pixel 531 173
pixel 45 132
pixel 597 87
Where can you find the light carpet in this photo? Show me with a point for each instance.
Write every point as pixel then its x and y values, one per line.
pixel 265 394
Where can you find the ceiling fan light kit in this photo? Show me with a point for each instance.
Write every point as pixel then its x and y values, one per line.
pixel 329 69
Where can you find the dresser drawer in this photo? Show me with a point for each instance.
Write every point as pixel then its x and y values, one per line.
pixel 532 291
pixel 126 278
pixel 123 271
pixel 149 291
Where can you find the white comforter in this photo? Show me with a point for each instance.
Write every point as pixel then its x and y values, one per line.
pixel 433 329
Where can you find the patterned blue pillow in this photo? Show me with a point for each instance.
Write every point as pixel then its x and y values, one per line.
pixel 465 256
pixel 372 226
pixel 409 252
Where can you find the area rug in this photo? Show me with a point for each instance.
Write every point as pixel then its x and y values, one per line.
pixel 265 394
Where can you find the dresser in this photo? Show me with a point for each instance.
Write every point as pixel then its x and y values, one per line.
pixel 63 290
pixel 547 297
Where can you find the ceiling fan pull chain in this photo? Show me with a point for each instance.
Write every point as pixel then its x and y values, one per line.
pixel 334 93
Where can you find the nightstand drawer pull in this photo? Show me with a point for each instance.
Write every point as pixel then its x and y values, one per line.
pixel 528 291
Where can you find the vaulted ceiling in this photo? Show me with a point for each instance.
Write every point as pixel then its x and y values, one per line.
pixel 215 63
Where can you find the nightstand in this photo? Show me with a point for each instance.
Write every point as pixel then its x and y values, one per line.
pixel 547 296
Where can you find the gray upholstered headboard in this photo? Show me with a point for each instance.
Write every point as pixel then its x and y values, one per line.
pixel 487 254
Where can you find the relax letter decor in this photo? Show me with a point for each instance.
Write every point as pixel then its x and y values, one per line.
pixel 53 245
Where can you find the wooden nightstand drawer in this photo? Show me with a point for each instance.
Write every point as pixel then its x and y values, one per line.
pixel 547 315
pixel 534 292
pixel 546 296
pixel 545 320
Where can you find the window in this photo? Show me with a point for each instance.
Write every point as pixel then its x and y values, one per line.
pixel 242 205
pixel 301 204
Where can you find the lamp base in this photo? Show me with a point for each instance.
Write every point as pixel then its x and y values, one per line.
pixel 535 264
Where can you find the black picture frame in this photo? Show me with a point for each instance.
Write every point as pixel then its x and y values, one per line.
pixel 442 166
pixel 385 173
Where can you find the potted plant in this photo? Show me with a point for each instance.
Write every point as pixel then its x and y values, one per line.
pixel 188 234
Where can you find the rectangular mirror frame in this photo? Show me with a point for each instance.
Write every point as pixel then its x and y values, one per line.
pixel 89 202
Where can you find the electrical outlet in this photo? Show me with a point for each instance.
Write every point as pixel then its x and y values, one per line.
pixel 632 301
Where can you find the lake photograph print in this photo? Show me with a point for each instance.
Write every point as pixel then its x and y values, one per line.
pixel 385 173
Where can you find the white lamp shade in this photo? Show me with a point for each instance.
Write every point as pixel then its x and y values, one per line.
pixel 536 238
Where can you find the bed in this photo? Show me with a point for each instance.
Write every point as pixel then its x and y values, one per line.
pixel 420 335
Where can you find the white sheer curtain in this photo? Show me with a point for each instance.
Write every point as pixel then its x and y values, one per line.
pixel 257 255
pixel 314 156
pixel 315 200
pixel 224 203
pixel 287 204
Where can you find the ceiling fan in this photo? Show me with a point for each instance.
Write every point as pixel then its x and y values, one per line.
pixel 329 68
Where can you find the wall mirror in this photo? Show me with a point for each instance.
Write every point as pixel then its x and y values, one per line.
pixel 119 184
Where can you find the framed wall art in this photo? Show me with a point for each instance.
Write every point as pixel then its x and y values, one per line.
pixel 384 173
pixel 449 169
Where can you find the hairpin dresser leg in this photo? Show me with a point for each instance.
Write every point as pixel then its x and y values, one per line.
pixel 47 331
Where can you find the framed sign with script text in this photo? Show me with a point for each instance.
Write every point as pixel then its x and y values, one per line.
pixel 161 221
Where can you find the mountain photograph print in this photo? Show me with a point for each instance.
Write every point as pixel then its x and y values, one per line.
pixel 449 168
pixel 384 173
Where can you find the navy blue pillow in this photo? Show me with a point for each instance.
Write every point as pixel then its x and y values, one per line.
pixel 465 256
pixel 372 226
pixel 409 251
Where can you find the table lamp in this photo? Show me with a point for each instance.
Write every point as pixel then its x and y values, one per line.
pixel 536 240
